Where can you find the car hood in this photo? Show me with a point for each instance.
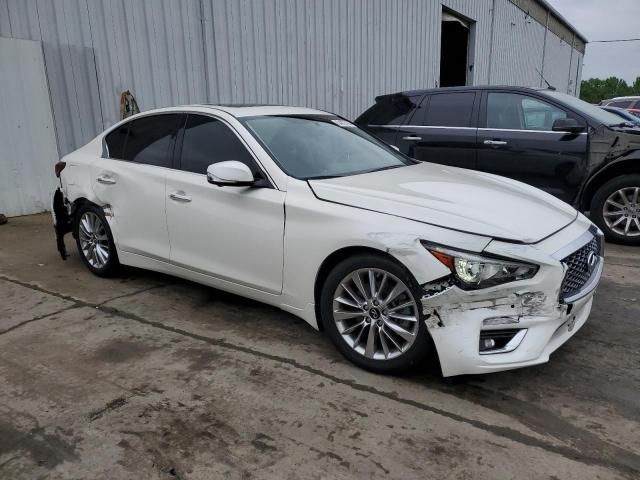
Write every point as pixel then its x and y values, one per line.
pixel 454 198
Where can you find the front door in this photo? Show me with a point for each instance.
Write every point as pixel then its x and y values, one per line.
pixel 131 182
pixel 442 130
pixel 232 233
pixel 517 141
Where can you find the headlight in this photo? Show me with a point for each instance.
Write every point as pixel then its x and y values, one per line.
pixel 475 271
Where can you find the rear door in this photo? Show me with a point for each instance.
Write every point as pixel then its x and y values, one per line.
pixel 442 130
pixel 388 114
pixel 516 140
pixel 232 233
pixel 132 182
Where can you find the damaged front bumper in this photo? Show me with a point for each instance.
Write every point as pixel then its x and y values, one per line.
pixel 509 326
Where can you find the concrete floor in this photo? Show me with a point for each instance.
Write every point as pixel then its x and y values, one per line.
pixel 146 376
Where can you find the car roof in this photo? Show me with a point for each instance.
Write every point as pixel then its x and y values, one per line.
pixel 252 110
pixel 462 89
pixel 238 110
pixel 631 97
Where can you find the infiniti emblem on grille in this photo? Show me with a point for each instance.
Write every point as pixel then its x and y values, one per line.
pixel 592 260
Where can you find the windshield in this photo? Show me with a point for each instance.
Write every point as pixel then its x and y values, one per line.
pixel 307 148
pixel 595 112
pixel 624 114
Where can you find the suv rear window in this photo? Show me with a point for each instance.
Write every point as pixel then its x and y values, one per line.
pixel 390 110
pixel 620 104
pixel 446 110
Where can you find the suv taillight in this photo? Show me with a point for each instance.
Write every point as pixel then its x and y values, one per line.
pixel 59 167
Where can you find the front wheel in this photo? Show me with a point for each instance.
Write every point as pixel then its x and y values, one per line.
pixel 615 208
pixel 370 308
pixel 95 241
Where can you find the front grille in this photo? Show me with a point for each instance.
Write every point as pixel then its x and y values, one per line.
pixel 578 271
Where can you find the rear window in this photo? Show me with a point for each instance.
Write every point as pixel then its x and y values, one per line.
pixel 620 104
pixel 446 110
pixel 390 110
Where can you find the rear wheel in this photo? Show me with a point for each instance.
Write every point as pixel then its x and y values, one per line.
pixel 615 208
pixel 95 242
pixel 370 308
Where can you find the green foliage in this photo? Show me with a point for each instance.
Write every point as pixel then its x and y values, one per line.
pixel 595 90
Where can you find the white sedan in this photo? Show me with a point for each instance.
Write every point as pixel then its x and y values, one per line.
pixel 301 209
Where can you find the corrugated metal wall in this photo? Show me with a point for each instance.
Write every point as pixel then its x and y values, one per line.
pixel 330 54
pixel 518 47
pixel 27 139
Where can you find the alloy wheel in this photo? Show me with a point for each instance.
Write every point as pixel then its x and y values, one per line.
pixel 621 211
pixel 375 313
pixel 94 240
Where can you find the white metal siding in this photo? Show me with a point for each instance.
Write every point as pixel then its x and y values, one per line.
pixel 27 134
pixel 518 46
pixel 557 62
pixel 335 55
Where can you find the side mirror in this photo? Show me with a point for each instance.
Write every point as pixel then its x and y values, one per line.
pixel 230 173
pixel 569 125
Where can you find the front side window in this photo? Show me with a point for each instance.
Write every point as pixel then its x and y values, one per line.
pixel 150 140
pixel 520 112
pixel 446 110
pixel 309 148
pixel 208 140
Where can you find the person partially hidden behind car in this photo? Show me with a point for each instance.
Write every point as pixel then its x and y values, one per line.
pixel 588 157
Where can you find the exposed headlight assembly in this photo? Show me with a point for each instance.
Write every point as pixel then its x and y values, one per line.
pixel 476 271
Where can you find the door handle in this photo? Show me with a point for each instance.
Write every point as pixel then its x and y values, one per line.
pixel 106 180
pixel 495 142
pixel 180 196
pixel 411 137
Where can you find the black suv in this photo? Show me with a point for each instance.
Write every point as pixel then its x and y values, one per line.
pixel 576 151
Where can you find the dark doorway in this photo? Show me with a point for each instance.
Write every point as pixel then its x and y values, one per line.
pixel 454 45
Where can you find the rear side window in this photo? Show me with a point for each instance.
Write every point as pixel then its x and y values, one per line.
pixel 208 140
pixel 620 104
pixel 446 110
pixel 150 139
pixel 116 140
pixel 391 110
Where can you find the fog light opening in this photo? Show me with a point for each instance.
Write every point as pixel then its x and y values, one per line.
pixel 500 341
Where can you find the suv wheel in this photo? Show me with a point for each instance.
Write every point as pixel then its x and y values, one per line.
pixel 370 307
pixel 95 241
pixel 615 208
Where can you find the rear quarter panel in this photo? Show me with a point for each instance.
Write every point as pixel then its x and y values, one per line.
pixel 76 177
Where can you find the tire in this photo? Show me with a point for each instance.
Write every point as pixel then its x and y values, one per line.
pixel 95 241
pixel 605 213
pixel 349 330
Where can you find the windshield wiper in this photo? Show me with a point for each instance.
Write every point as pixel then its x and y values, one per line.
pixel 388 167
pixel 323 177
